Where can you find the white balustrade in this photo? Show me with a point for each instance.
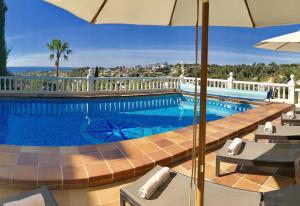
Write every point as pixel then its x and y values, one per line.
pixel 101 85
pixel 42 85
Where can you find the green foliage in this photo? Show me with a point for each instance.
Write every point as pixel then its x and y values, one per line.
pixel 96 72
pixel 3 50
pixel 81 72
pixel 260 72
pixel 59 50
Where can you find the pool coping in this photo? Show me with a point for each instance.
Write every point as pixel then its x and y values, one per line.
pixel 85 166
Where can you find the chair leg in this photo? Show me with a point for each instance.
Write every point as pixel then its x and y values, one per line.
pixel 122 200
pixel 218 162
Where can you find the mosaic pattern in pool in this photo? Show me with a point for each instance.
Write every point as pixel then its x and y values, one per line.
pixel 66 122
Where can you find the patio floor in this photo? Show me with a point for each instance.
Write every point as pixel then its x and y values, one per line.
pixel 256 179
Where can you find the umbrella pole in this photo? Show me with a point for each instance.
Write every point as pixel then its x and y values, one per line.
pixel 202 124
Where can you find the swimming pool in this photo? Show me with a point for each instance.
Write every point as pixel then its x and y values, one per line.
pixel 71 122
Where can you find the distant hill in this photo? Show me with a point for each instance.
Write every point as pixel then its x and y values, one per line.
pixel 260 72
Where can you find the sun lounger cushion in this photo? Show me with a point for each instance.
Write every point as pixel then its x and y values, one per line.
pixel 280 133
pixel 32 200
pixel 48 198
pixel 264 152
pixel 288 196
pixel 175 192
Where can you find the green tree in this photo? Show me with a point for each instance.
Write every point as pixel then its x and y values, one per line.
pixel 58 50
pixel 96 71
pixel 3 50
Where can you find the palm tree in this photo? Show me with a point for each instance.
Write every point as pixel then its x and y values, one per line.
pixel 59 50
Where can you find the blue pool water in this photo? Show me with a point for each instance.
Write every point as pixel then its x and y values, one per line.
pixel 66 122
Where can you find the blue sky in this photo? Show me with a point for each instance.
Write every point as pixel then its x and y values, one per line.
pixel 33 23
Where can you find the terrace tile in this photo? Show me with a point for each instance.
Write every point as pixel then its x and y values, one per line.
pixel 99 173
pixel 49 160
pixel 88 197
pixel 74 176
pixel 148 147
pixel 226 180
pixel 6 174
pixel 93 157
pixel 30 149
pixel 49 150
pixel 178 153
pixel 154 138
pixel 108 194
pixel 71 159
pixel 9 149
pixel 87 149
pixel 257 178
pixel 142 164
pixel 51 175
pixel 163 143
pixel 25 175
pixel 8 159
pixel 209 172
pixel 28 159
pixel 106 147
pixel 113 203
pixel 62 197
pixel 129 149
pixel 122 169
pixel 113 154
pixel 247 185
pixel 68 150
pixel 276 182
pixel 161 158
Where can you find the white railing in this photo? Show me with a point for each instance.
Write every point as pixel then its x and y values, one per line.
pixel 78 85
pixel 282 92
pixel 132 84
pixel 101 85
pixel 297 95
pixel 42 85
pixel 217 83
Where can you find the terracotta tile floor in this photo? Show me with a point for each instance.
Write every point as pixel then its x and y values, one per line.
pixel 257 179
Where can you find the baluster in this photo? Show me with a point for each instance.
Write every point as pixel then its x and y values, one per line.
pixel 279 92
pixel 4 83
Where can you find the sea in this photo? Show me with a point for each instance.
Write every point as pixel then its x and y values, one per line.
pixel 36 69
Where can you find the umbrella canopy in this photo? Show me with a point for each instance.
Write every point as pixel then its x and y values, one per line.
pixel 241 13
pixel 288 42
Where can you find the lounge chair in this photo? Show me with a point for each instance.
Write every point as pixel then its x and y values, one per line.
pixel 48 198
pixel 287 120
pixel 280 133
pixel 288 196
pixel 260 154
pixel 175 192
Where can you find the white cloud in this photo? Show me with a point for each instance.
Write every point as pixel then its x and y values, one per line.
pixel 129 57
pixel 15 37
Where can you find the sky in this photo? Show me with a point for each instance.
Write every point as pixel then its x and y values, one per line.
pixel 31 24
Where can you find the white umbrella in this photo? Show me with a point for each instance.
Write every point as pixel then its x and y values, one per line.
pixel 288 42
pixel 241 13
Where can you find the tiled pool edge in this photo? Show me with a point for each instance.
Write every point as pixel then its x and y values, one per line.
pixel 84 166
